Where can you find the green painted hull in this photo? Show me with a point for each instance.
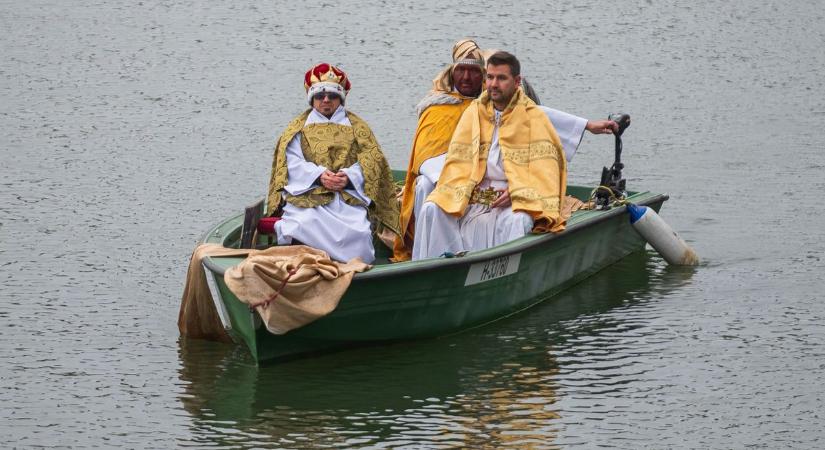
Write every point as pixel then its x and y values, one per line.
pixel 440 296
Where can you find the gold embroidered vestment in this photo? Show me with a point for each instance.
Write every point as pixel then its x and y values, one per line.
pixel 336 147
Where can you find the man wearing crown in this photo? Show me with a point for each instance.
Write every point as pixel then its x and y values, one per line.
pixel 505 172
pixel 454 88
pixel 330 180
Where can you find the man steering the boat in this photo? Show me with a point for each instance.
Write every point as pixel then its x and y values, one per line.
pixel 331 186
pixel 505 172
pixel 439 111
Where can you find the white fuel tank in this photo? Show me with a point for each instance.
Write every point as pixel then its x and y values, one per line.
pixel 661 237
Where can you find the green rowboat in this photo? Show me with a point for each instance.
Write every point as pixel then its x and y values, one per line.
pixel 436 297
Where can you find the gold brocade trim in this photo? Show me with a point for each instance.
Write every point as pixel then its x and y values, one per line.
pixel 459 151
pixel 549 203
pixel 536 151
pixel 457 193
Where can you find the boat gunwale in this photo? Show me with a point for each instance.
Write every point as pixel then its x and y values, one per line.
pixel 412 267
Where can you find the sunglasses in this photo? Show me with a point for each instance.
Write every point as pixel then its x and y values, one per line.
pixel 322 95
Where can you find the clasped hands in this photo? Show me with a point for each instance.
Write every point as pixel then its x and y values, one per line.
pixel 334 181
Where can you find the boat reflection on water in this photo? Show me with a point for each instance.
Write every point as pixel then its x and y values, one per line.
pixel 496 385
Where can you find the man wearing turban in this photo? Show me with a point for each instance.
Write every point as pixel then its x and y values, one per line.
pixel 331 185
pixel 454 88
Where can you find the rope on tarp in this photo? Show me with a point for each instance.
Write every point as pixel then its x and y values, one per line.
pixel 277 293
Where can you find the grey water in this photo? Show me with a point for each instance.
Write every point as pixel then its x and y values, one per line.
pixel 128 128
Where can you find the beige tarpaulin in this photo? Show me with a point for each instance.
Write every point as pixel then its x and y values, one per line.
pixel 308 285
pixel 291 286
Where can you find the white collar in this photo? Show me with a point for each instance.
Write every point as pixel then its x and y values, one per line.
pixel 338 117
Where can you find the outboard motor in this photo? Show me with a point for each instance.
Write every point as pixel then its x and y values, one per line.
pixel 643 219
pixel 612 186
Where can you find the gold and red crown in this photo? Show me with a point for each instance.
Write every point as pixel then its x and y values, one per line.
pixel 326 73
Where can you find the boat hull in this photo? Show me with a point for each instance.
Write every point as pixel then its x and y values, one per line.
pixel 440 297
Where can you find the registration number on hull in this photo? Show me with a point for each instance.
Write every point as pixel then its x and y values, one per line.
pixel 492 269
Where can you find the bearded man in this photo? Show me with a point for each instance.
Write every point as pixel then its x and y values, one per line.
pixel 331 185
pixel 503 144
pixel 453 90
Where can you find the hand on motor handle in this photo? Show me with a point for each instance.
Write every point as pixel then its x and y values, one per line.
pixel 602 126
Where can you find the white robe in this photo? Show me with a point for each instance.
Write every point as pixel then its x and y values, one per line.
pixel 570 129
pixel 480 227
pixel 341 230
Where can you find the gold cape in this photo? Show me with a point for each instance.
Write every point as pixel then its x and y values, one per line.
pixel 335 147
pixel 531 154
pixel 432 137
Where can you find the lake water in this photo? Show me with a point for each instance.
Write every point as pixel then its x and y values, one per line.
pixel 128 128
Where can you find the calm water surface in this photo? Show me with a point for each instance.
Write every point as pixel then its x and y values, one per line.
pixel 128 128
